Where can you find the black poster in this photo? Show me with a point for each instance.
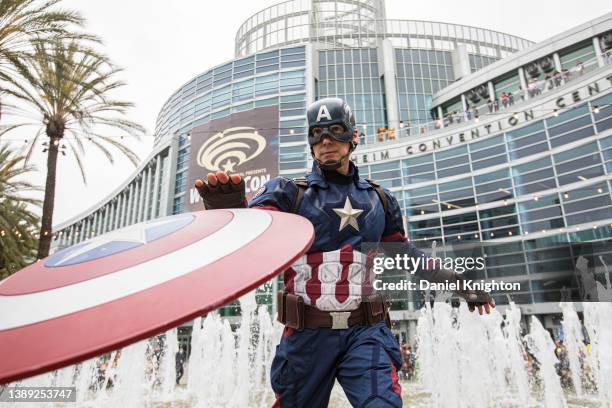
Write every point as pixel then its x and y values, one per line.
pixel 244 143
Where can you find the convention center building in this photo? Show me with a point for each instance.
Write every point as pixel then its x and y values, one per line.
pixel 484 137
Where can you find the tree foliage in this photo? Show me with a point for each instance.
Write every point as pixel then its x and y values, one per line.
pixel 23 22
pixel 18 223
pixel 68 88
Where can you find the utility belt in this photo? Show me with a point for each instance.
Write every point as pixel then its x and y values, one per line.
pixel 294 313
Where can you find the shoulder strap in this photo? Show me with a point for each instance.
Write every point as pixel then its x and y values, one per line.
pixel 381 194
pixel 302 185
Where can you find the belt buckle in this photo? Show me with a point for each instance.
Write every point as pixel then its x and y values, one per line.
pixel 340 320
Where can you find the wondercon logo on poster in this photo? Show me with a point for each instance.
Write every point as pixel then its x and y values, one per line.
pixel 231 148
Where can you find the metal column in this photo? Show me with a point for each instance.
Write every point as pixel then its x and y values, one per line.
pixel 390 84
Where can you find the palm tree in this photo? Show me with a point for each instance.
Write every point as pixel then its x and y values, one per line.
pixel 18 224
pixel 24 21
pixel 68 86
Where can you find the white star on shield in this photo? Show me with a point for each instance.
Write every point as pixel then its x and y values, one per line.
pixel 133 233
pixel 348 215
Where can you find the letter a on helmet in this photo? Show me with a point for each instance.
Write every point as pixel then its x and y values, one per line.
pixel 323 113
pixel 327 112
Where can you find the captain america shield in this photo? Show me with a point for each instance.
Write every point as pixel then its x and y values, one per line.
pixel 139 281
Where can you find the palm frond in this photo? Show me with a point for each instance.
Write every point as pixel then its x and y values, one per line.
pixel 17 222
pixel 77 156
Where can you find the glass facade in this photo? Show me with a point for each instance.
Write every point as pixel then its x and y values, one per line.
pixel 543 75
pixel 525 188
pixel 360 24
pixel 349 64
pixel 354 76
pixel 420 74
pixel 478 62
pixel 270 78
pixel 550 177
pixel 546 163
pixel 583 53
pixel 233 87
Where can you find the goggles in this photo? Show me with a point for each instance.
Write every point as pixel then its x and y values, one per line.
pixel 336 131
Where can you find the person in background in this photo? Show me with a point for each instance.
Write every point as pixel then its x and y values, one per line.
pixel 411 363
pixel 404 351
pixel 580 67
pixel 565 73
pixel 179 359
pixel 557 78
pixel 476 112
pixel 504 99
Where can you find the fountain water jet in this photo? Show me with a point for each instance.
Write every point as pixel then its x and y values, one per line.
pixel 465 360
pixel 542 347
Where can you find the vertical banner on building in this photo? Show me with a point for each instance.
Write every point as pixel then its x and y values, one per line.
pixel 244 143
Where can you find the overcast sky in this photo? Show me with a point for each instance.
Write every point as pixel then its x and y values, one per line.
pixel 161 44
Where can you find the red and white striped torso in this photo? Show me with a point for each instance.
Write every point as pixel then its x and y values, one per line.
pixel 333 280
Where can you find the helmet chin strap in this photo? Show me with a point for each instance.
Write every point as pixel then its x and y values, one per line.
pixel 332 165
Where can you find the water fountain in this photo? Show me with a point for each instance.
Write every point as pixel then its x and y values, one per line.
pixel 599 358
pixel 542 347
pixel 465 360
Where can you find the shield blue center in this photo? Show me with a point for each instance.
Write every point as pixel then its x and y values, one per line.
pixel 119 241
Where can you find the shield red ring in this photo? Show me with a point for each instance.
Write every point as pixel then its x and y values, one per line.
pixel 67 309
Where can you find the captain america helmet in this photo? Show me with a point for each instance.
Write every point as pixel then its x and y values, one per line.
pixel 330 117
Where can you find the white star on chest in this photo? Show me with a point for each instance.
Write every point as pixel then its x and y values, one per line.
pixel 348 215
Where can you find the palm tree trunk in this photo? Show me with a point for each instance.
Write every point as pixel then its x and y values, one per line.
pixel 44 242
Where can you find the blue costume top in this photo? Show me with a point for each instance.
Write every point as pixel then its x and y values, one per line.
pixel 323 196
pixel 346 212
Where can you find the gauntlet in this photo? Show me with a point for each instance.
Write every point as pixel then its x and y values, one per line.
pixel 472 297
pixel 223 195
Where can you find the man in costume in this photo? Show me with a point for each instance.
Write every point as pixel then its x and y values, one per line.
pixel 336 327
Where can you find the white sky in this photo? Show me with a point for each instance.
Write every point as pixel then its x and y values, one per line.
pixel 162 44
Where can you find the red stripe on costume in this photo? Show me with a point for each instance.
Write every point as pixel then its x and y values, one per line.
pixel 370 258
pixel 367 289
pixel 313 285
pixel 277 403
pixel 395 237
pixel 313 289
pixel 342 286
pixel 395 381
pixel 289 279
pixel 266 207
pixel 287 331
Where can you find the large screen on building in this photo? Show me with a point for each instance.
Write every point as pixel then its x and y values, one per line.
pixel 244 143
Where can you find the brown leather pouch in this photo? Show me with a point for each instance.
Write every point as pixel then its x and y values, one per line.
pixel 281 316
pixel 294 311
pixel 375 310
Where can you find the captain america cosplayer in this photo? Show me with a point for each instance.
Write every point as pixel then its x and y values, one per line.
pixel 336 327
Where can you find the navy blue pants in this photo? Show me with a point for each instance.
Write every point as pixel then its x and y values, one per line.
pixel 364 359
